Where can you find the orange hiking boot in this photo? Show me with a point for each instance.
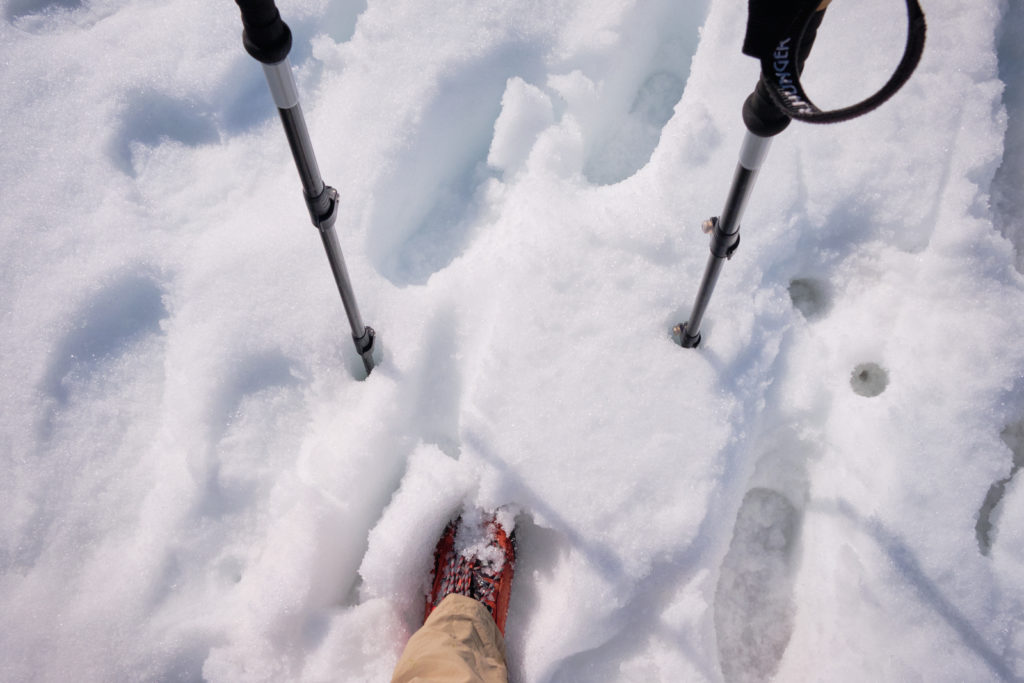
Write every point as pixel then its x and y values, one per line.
pixel 475 560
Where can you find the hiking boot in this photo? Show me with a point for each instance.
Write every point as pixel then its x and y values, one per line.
pixel 475 561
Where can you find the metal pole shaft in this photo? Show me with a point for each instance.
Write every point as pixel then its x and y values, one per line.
pixel 700 304
pixel 333 249
pixel 322 202
pixel 725 232
pixel 321 199
pixel 295 130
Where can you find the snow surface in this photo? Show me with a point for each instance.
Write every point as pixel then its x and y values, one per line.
pixel 199 482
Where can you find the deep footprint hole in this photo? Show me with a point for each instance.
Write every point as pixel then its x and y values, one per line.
pixel 869 379
pixel 810 296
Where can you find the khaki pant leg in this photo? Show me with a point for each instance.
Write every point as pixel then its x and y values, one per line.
pixel 459 643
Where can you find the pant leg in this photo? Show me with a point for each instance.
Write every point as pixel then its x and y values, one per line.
pixel 459 643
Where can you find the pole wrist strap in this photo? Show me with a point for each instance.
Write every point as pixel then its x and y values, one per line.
pixel 776 32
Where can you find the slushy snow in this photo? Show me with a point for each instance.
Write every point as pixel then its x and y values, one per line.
pixel 200 482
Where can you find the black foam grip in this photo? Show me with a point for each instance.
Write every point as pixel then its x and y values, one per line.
pixel 761 114
pixel 769 21
pixel 266 37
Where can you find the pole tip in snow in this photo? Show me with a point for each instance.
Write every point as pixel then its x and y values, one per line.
pixel 365 347
pixel 683 337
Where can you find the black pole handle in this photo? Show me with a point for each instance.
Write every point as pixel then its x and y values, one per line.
pixel 265 37
pixel 761 114
pixel 779 34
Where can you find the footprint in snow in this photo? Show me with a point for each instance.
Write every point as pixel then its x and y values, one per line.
pixel 631 145
pixel 754 602
pixel 247 408
pixel 108 325
pixel 428 205
pixel 150 118
pixel 248 377
pixel 754 605
pixel 625 143
pixel 102 372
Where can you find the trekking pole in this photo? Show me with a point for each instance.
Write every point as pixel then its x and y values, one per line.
pixel 269 40
pixel 780 35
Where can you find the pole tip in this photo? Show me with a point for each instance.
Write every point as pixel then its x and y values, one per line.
pixel 683 337
pixel 365 347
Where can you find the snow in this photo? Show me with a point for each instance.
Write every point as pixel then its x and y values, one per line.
pixel 200 483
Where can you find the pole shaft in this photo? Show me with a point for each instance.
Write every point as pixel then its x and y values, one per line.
pixel 333 248
pixel 282 84
pixel 302 150
pixel 700 303
pixel 321 200
pixel 269 40
pixel 725 231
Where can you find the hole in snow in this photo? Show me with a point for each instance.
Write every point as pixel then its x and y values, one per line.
pixel 813 298
pixel 869 379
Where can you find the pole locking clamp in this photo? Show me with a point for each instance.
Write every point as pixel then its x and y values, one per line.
pixel 723 245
